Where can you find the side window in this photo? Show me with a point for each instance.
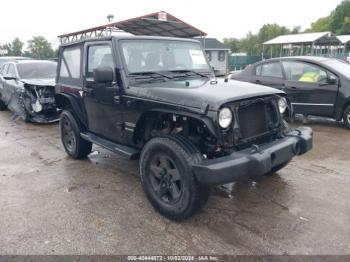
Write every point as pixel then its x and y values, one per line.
pixel 98 55
pixel 208 53
pixel 11 70
pixel 4 69
pixel 304 72
pixel 270 70
pixel 70 63
pixel 221 56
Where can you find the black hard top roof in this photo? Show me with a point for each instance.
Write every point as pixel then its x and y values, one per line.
pixel 129 37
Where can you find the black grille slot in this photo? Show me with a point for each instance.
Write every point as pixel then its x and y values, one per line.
pixel 252 120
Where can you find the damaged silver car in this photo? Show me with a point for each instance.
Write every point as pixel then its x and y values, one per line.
pixel 27 88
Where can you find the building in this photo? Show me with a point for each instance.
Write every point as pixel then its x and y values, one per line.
pixel 217 54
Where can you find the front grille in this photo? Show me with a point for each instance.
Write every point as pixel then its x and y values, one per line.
pixel 256 122
pixel 257 118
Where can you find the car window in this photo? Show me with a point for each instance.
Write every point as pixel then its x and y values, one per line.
pixel 45 70
pixel 70 64
pixel 304 72
pixel 11 70
pixel 98 55
pixel 4 69
pixel 270 70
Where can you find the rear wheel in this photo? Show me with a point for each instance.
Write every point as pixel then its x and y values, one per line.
pixel 167 177
pixel 75 146
pixel 346 117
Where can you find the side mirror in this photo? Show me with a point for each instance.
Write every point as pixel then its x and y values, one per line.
pixel 331 81
pixel 103 75
pixel 9 77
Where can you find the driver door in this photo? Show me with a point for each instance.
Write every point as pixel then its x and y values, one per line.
pixel 312 90
pixel 103 110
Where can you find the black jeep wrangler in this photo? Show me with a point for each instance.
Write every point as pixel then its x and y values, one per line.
pixel 157 99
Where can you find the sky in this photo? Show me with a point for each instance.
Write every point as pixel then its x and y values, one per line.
pixel 219 18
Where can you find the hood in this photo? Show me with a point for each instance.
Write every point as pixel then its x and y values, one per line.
pixel 39 81
pixel 201 93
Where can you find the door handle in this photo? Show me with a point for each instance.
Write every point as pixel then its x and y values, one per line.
pixel 258 81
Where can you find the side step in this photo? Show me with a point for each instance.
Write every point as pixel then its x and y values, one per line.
pixel 127 151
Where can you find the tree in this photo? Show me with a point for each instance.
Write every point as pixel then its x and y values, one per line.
pixel 269 31
pixel 233 44
pixel 39 47
pixel 16 47
pixel 321 25
pixel 251 44
pixel 340 18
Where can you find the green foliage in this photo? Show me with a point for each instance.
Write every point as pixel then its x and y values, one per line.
pixel 340 18
pixel 233 43
pixel 39 47
pixel 321 25
pixel 252 43
pixel 16 47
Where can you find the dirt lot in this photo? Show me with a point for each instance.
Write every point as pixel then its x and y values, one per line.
pixel 50 204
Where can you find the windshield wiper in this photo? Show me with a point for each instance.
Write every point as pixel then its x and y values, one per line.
pixel 150 73
pixel 189 71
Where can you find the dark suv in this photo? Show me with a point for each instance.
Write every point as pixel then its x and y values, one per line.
pixel 157 99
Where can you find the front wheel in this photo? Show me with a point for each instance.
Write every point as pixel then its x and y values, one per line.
pixel 75 146
pixel 167 177
pixel 346 117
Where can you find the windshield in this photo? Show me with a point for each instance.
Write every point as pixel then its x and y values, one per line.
pixel 143 56
pixel 37 70
pixel 340 66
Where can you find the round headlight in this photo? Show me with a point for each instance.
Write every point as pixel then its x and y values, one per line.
pixel 282 105
pixel 225 117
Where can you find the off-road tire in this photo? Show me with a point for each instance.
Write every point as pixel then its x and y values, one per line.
pixel 183 154
pixel 346 117
pixel 277 168
pixel 75 146
pixel 3 107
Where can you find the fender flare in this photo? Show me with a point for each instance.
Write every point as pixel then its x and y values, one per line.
pixel 73 101
pixel 202 118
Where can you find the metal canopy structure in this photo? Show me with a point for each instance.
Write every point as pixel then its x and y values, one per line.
pixel 297 38
pixel 317 44
pixel 155 24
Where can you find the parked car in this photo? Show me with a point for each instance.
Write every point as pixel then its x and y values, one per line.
pixel 157 99
pixel 27 88
pixel 315 85
pixel 5 59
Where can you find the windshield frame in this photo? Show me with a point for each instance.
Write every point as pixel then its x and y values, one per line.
pixel 330 65
pixel 130 74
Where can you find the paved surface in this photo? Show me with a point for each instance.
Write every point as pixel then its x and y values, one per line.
pixel 50 204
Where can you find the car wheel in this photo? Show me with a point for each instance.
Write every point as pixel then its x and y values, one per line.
pixel 277 168
pixel 346 117
pixel 75 146
pixel 3 107
pixel 167 177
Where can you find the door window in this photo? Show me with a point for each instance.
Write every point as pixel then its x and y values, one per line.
pixel 98 55
pixel 270 70
pixel 304 72
pixel 11 71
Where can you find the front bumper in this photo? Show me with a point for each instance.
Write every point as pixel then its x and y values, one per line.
pixel 255 161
